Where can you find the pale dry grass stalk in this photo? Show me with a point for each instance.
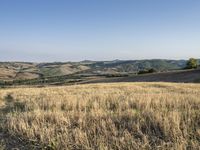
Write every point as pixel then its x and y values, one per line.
pixel 105 116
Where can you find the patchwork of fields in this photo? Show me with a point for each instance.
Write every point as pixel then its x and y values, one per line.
pixel 101 116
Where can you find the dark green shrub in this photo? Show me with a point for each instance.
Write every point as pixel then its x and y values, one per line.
pixel 152 70
pixel 192 63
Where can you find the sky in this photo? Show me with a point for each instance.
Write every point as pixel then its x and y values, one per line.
pixel 75 30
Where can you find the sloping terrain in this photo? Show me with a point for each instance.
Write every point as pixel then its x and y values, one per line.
pixel 135 65
pixel 27 70
pixel 23 70
pixel 187 76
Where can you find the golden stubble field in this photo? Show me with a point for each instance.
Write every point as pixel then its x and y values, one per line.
pixel 116 116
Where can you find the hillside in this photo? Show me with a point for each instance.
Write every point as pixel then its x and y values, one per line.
pixel 27 70
pixel 101 116
pixel 23 70
pixel 182 76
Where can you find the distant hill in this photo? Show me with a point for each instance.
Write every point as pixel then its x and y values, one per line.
pixel 24 70
pixel 28 70
pixel 136 65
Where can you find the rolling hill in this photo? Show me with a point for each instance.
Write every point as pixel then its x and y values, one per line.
pixel 28 70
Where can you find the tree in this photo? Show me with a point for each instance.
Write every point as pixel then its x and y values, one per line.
pixel 152 70
pixel 192 64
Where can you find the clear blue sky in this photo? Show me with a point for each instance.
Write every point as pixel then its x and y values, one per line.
pixel 73 30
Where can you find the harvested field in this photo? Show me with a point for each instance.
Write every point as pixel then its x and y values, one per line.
pixel 101 116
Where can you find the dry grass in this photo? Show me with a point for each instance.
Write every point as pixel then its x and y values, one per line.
pixel 103 116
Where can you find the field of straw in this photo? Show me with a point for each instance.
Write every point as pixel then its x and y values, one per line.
pixel 118 116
